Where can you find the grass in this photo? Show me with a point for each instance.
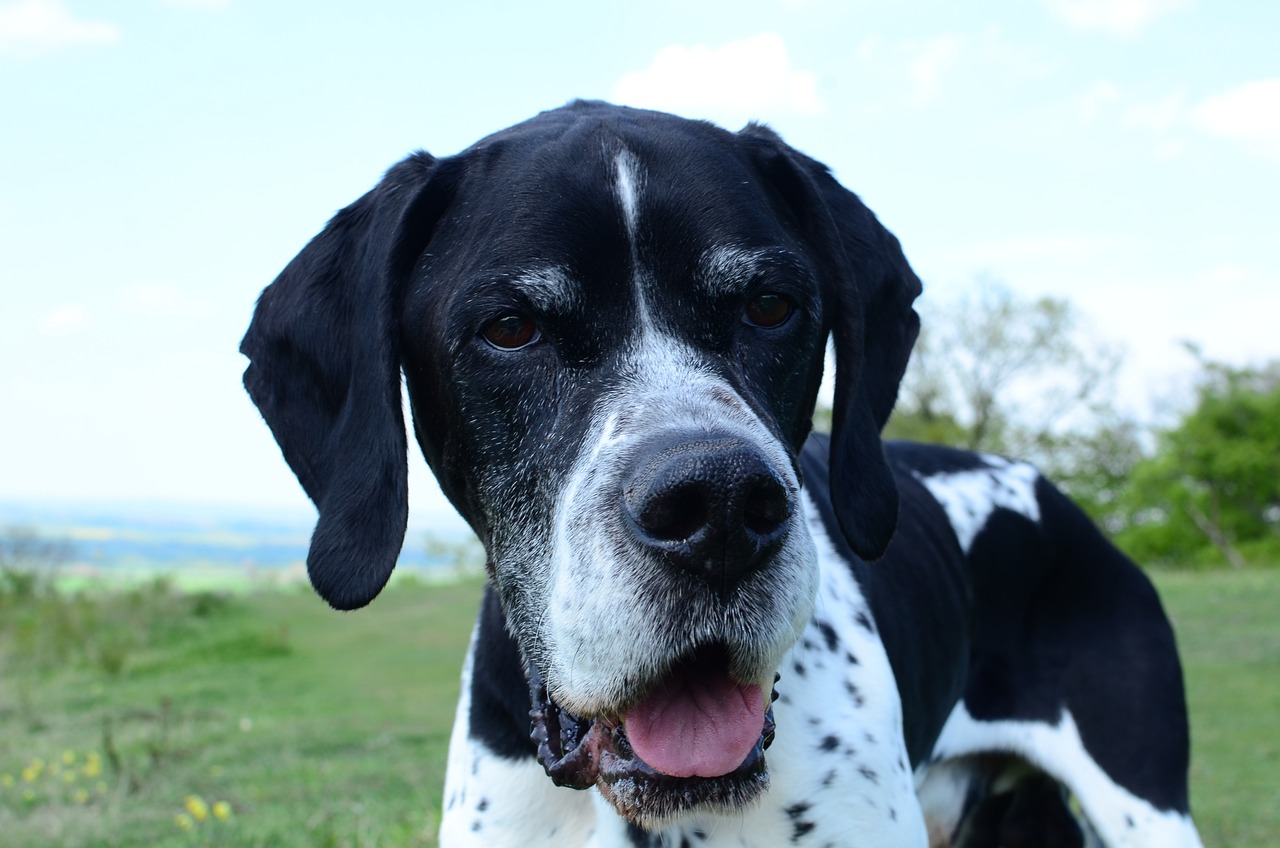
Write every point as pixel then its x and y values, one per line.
pixel 314 728
pixel 1228 627
pixel 305 727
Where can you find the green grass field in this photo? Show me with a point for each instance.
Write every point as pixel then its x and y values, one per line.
pixel 312 728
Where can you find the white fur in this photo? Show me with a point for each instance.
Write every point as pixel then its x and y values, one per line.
pixel 857 792
pixel 627 185
pixel 599 631
pixel 1118 817
pixel 491 802
pixel 550 289
pixel 969 497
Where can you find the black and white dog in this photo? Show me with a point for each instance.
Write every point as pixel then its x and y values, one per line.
pixel 612 324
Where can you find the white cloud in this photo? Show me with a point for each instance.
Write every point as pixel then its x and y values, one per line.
pixel 1171 149
pixel 1249 113
pixel 1091 104
pixel 933 56
pixel 198 5
pixel 1115 17
pixel 64 320
pixel 161 300
pixel 32 27
pixel 739 81
pixel 1159 115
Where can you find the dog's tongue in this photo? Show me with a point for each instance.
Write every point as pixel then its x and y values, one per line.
pixel 696 725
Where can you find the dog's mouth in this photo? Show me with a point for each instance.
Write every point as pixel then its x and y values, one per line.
pixel 697 739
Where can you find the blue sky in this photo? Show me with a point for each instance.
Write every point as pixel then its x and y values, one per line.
pixel 162 160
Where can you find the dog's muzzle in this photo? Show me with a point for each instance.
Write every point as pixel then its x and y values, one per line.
pixel 703 511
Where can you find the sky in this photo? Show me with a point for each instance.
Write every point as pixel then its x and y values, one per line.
pixel 162 160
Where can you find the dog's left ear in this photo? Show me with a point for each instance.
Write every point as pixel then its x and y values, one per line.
pixel 868 293
pixel 325 373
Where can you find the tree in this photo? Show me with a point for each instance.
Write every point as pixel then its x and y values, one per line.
pixel 1025 378
pixel 1211 491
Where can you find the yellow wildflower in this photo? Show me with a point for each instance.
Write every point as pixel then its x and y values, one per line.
pixel 222 811
pixel 82 796
pixel 69 757
pixel 196 806
pixel 184 821
pixel 68 777
pixel 6 781
pixel 29 775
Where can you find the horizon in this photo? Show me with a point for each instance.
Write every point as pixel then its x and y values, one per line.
pixel 164 160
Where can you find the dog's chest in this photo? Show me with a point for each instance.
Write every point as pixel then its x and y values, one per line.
pixel 839 772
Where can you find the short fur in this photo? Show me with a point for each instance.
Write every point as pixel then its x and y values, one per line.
pixel 959 648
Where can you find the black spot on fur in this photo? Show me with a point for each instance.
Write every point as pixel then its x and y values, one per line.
pixel 638 837
pixel 828 743
pixel 864 622
pixel 483 805
pixel 799 669
pixel 870 774
pixel 799 827
pixel 797 810
pixel 828 635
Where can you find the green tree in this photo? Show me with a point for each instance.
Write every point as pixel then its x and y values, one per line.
pixel 1026 378
pixel 1211 491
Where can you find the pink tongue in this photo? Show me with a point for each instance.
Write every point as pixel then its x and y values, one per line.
pixel 696 726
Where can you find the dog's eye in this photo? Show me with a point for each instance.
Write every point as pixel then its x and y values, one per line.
pixel 768 310
pixel 510 332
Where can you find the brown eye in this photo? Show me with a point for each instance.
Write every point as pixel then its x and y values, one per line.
pixel 768 310
pixel 510 332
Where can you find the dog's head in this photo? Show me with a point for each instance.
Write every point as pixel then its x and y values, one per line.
pixel 612 324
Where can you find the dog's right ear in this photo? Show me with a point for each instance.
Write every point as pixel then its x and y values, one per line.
pixel 325 373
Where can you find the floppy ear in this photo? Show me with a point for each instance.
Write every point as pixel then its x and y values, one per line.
pixel 868 292
pixel 325 373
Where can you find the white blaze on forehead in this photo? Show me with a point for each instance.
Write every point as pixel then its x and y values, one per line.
pixel 627 185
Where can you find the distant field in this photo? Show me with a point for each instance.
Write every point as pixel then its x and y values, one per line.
pixel 314 728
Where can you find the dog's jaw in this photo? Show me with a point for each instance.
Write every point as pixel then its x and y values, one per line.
pixel 582 753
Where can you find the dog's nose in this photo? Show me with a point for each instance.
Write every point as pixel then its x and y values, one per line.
pixel 710 505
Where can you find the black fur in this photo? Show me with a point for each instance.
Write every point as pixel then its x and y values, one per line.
pixel 1037 616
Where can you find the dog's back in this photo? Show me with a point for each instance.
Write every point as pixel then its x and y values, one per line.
pixel 1056 653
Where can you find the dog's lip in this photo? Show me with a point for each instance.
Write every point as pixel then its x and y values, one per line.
pixel 582 752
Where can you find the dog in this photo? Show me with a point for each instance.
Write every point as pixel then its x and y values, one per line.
pixel 705 625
